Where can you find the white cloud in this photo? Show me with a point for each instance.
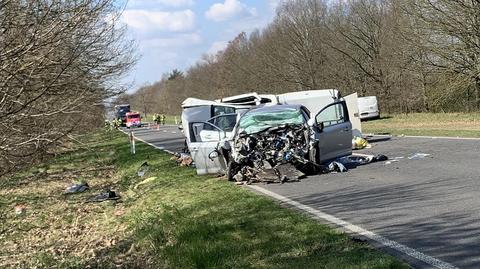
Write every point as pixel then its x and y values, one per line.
pixel 229 9
pixel 147 21
pixel 169 3
pixel 176 41
pixel 217 46
pixel 274 3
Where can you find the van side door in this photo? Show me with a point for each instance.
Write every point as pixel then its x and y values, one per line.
pixel 204 140
pixel 334 132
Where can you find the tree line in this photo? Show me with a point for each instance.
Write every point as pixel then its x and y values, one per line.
pixel 414 55
pixel 59 61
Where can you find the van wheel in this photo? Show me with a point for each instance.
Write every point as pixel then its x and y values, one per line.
pixel 232 170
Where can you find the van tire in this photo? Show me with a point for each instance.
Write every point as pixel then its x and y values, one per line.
pixel 232 170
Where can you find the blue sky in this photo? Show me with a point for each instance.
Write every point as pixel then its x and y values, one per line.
pixel 175 33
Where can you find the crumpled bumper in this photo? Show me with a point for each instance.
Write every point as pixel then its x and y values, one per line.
pixel 277 154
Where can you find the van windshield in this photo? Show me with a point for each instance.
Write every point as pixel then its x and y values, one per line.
pixel 257 121
pixel 136 116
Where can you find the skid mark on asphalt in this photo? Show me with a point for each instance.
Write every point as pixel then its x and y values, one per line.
pixel 359 230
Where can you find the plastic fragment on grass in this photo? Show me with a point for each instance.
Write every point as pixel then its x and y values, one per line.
pixel 77 188
pixel 146 181
pixel 104 196
pixel 183 159
pixel 20 210
pixel 143 169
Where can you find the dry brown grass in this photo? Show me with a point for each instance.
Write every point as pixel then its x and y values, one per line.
pixel 62 230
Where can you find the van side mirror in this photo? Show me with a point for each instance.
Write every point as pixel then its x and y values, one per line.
pixel 320 126
pixel 213 155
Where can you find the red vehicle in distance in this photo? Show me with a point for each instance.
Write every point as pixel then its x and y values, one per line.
pixel 133 119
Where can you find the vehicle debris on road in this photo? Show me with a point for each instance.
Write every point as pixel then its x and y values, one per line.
pixel 360 143
pixel 355 160
pixel 337 167
pixel 418 156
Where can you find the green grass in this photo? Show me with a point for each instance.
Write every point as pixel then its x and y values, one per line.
pixel 176 219
pixel 428 124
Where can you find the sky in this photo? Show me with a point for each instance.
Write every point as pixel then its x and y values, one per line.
pixel 176 33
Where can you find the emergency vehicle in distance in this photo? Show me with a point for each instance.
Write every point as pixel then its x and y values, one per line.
pixel 133 119
pixel 121 113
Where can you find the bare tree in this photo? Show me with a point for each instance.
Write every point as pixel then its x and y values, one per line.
pixel 414 55
pixel 450 34
pixel 59 60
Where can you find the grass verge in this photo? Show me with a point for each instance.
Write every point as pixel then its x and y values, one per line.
pixel 170 218
pixel 428 124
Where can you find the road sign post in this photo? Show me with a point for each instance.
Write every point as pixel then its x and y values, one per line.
pixel 132 143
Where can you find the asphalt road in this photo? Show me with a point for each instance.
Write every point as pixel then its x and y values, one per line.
pixel 431 205
pixel 167 137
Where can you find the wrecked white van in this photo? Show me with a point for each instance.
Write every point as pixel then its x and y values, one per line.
pixel 209 126
pixel 288 135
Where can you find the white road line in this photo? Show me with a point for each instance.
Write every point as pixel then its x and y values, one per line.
pixel 441 137
pixel 174 132
pixel 424 136
pixel 359 230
